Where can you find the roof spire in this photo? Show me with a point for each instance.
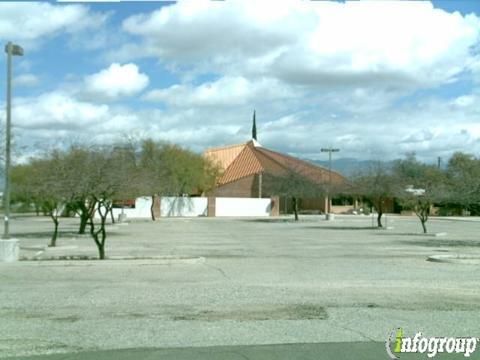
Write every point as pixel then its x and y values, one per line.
pixel 254 127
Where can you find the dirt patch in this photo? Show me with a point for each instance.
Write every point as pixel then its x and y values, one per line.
pixel 355 228
pixel 259 313
pixel 132 315
pixel 38 316
pixel 67 319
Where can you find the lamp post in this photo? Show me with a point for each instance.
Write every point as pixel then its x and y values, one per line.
pixel 329 150
pixel 11 50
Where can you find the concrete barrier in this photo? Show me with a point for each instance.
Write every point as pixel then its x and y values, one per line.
pixel 9 250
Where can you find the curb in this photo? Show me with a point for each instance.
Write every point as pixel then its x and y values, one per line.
pixel 113 260
pixel 455 259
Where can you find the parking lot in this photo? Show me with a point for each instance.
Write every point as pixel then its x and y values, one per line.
pixel 177 283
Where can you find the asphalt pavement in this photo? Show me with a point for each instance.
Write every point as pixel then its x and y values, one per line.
pixel 202 287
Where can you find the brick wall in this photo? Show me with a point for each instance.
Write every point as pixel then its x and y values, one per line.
pixel 313 204
pixel 211 212
pixel 275 206
pixel 246 187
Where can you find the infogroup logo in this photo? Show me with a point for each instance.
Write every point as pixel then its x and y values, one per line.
pixel 397 343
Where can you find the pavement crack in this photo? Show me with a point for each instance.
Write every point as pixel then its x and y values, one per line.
pixel 354 331
pixel 86 292
pixel 220 270
pixel 243 356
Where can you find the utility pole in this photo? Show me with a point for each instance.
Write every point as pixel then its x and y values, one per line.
pixel 11 50
pixel 8 248
pixel 330 150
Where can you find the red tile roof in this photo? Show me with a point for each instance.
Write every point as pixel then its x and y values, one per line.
pixel 239 161
pixel 223 156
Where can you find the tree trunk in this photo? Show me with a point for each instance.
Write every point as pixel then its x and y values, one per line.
pixel 84 212
pixel 101 243
pixel 53 241
pixel 83 222
pixel 100 235
pixel 422 213
pixel 101 252
pixel 152 213
pixel 92 225
pixel 91 215
pixel 424 226
pixel 295 207
pixel 379 219
pixel 111 215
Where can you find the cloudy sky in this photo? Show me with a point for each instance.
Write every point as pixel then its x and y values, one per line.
pixel 376 79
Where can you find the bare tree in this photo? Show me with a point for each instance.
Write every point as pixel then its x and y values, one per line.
pixel 42 181
pixel 463 179
pixel 295 185
pixel 376 185
pixel 78 170
pixel 420 187
pixel 89 179
pixel 22 191
pixel 150 167
pixel 171 170
pixel 185 172
pixel 113 174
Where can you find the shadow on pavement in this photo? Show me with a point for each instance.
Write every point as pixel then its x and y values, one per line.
pixel 337 351
pixel 42 234
pixel 272 221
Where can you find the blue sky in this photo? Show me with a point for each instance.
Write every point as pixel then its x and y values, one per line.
pixel 376 79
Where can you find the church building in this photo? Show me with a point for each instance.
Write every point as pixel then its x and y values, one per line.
pixel 244 167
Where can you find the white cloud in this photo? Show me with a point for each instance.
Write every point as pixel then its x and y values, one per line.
pixel 116 81
pixel 58 111
pixel 393 43
pixel 464 100
pixel 431 128
pixel 29 22
pixel 318 74
pixel 297 62
pixel 57 117
pixel 26 80
pixel 226 91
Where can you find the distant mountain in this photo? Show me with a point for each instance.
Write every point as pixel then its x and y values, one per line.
pixel 346 166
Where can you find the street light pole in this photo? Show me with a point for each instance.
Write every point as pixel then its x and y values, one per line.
pixel 11 50
pixel 329 150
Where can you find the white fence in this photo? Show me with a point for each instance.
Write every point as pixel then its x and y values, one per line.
pixel 196 206
pixel 242 207
pixel 141 210
pixel 183 206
